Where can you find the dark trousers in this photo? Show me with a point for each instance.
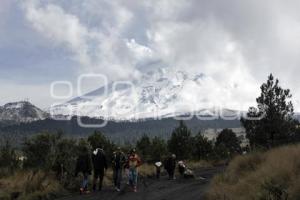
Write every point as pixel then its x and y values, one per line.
pixel 117 177
pixel 98 174
pixel 171 173
pixel 157 172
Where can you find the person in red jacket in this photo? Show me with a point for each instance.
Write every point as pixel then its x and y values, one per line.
pixel 134 162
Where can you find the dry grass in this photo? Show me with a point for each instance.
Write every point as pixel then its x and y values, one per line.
pixel 271 175
pixel 199 164
pixel 30 185
pixel 147 170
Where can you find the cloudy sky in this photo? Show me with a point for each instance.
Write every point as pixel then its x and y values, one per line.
pixel 235 43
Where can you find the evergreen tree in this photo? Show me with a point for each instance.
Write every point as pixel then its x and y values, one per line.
pixel 228 141
pixel 158 149
pixel 180 142
pixel 99 140
pixel 202 147
pixel 273 122
pixel 144 147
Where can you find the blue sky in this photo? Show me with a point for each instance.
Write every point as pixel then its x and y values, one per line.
pixel 236 43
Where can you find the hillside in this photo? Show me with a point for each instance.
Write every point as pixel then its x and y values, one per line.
pixel 117 131
pixel 22 111
pixel 270 175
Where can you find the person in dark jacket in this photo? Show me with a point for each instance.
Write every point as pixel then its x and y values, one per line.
pixel 83 166
pixel 118 162
pixel 170 165
pixel 100 165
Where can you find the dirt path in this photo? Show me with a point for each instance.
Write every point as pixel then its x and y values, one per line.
pixel 163 189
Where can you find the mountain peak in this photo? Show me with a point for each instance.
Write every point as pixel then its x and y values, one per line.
pixel 157 93
pixel 21 111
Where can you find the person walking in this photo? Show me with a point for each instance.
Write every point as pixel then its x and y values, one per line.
pixel 133 162
pixel 118 162
pixel 83 165
pixel 170 165
pixel 100 165
pixel 126 167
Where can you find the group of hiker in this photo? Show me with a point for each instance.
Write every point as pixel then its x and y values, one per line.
pixel 99 165
pixel 97 162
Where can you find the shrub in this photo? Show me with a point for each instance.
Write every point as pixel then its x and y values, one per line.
pixel 40 150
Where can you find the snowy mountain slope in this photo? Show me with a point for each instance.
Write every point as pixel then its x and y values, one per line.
pixel 156 94
pixel 21 111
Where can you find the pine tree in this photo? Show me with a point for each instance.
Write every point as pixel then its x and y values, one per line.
pixel 180 142
pixel 202 147
pixel 272 122
pixel 158 149
pixel 228 141
pixel 144 147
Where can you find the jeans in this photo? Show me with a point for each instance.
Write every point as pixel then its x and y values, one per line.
pixel 85 181
pixel 133 176
pixel 117 177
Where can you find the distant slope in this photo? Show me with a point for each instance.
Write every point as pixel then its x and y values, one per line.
pixel 118 131
pixel 22 111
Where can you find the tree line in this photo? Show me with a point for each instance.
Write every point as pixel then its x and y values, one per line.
pixel 55 152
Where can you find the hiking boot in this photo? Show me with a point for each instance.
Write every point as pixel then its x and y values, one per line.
pixel 81 190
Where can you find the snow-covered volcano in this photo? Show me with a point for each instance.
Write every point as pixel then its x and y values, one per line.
pixel 22 111
pixel 156 94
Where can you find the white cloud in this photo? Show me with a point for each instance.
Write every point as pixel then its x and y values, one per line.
pixel 60 27
pixel 236 43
